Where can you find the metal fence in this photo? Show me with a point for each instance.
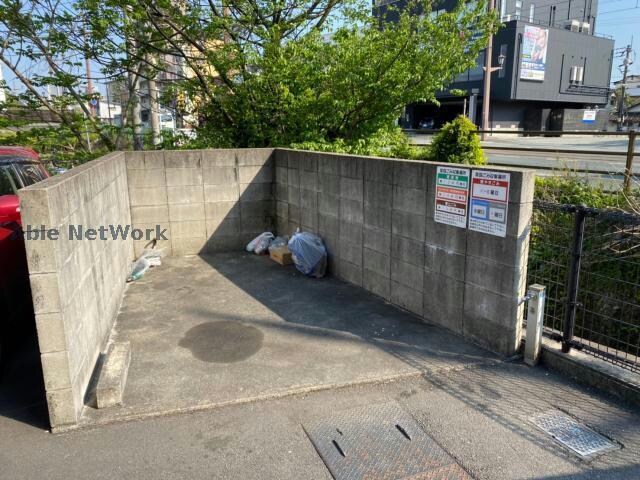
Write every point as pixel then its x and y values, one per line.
pixel 589 260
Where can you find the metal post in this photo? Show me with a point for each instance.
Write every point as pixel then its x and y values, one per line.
pixel 488 70
pixel 535 323
pixel 574 278
pixel 628 169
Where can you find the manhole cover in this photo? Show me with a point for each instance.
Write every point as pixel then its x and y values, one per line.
pixel 380 442
pixel 579 438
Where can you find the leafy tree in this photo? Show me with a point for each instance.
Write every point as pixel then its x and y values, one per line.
pixel 458 142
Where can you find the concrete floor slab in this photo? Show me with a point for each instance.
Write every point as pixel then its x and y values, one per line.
pixel 232 328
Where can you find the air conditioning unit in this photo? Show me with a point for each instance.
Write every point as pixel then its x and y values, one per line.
pixel 573 25
pixel 586 27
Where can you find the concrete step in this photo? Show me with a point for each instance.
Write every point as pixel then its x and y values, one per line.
pixel 113 375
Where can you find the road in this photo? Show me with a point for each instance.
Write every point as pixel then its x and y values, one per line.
pixel 603 161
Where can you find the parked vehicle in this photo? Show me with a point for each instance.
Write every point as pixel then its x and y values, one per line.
pixel 19 167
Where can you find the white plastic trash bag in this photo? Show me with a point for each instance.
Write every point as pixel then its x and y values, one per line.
pixel 261 243
pixel 308 253
pixel 279 242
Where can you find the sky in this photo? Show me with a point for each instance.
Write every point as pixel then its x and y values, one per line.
pixel 621 20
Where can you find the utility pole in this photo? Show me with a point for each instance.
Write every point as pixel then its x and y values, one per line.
pixel 486 96
pixel 621 106
pixel 3 94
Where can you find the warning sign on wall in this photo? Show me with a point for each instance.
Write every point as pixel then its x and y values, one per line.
pixel 452 195
pixel 489 202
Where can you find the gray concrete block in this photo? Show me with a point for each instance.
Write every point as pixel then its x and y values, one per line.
pixel 295 214
pixel 407 250
pixel 443 301
pixel 282 210
pixel 282 192
pixel 408 225
pixel 406 298
pixel 222 210
pixel 186 212
pixel 445 236
pixel 309 200
pixel 257 208
pixel 351 166
pixel 219 243
pixel 309 181
pixel 183 159
pixel 281 156
pixel 378 240
pixel 293 195
pixel 41 255
pixel 51 336
pixel 378 170
pixel 410 174
pixel 352 188
pixel 351 253
pixel 407 274
pixel 481 304
pixel 55 370
pixel 377 262
pixel 254 156
pixel 378 217
pixel 62 408
pixel 222 226
pixel 282 175
pixel 146 178
pixel 376 284
pixel 153 160
pixel 492 336
pixel 348 271
pixel 510 251
pixel 45 293
pixel 256 174
pixel 256 191
pixel 329 205
pixel 378 194
pixel 135 160
pixel 293 177
pixel 328 226
pixel 221 193
pixel 309 220
pixel 185 194
pixel 188 229
pixel 183 176
pixel 495 277
pixel 220 175
pixel 188 246
pixel 351 232
pixel 351 211
pixel 256 225
pixel 329 163
pixel 412 200
pixel 329 184
pixel 147 196
pixel 150 214
pixel 218 158
pixel 444 262
pixel 113 375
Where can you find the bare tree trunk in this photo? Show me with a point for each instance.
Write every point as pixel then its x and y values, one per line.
pixel 154 106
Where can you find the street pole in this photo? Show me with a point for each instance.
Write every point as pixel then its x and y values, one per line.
pixel 626 64
pixel 486 100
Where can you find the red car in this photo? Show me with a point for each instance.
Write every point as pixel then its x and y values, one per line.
pixel 19 167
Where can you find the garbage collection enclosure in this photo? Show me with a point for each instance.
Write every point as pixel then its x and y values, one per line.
pixel 376 217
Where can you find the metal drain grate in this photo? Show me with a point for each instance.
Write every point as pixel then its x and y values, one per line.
pixel 380 442
pixel 579 438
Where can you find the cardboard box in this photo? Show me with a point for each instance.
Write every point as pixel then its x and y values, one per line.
pixel 281 255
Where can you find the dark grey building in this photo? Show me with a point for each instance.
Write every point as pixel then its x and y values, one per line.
pixel 554 71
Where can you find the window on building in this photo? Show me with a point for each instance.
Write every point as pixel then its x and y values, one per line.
pixel 503 54
pixel 503 10
pixel 532 12
pixel 518 9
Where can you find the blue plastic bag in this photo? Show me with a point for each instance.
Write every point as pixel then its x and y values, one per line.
pixel 308 253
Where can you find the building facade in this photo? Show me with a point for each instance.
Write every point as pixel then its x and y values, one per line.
pixel 554 71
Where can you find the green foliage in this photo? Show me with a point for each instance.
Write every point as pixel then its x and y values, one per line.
pixel 458 142
pixel 572 189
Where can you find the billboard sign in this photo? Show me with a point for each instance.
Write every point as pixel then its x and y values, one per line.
pixel 534 53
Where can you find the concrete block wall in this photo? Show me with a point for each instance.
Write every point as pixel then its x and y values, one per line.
pixel 207 200
pixel 376 218
pixel 77 285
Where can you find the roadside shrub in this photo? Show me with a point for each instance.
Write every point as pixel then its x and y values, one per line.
pixel 457 142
